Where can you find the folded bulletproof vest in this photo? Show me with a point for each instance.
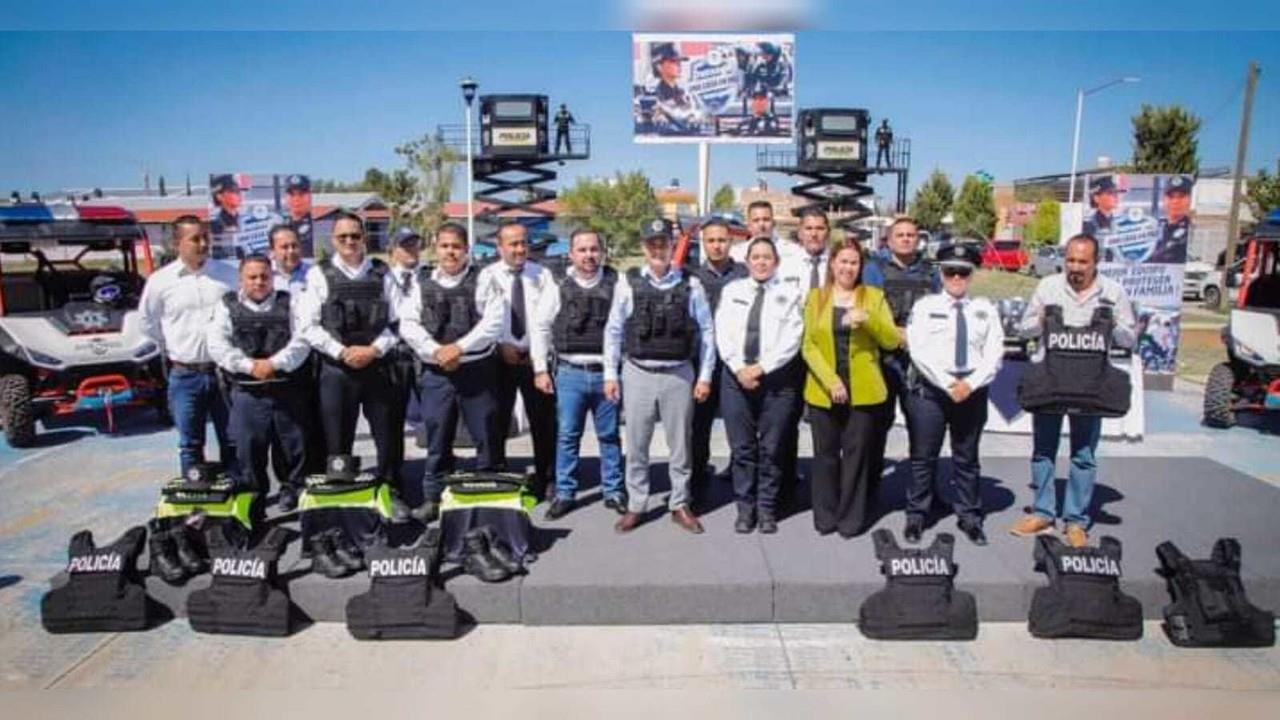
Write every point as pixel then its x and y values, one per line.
pixel 498 499
pixel 1083 598
pixel 245 597
pixel 919 600
pixel 1209 607
pixel 405 600
pixel 104 591
pixel 1076 375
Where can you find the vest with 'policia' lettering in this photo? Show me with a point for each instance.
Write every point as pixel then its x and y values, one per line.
pixel 919 600
pixel 1076 376
pixel 1083 598
pixel 104 591
pixel 245 597
pixel 405 600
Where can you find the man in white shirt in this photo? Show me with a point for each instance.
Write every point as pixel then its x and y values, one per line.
pixel 289 270
pixel 570 323
pixel 453 333
pixel 255 340
pixel 404 265
pixel 759 326
pixel 807 270
pixel 957 346
pixel 177 306
pixel 760 223
pixel 521 283
pixel 347 313
pixel 659 319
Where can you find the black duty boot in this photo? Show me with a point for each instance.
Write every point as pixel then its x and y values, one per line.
pixel 346 552
pixel 164 559
pixel 190 558
pixel 323 560
pixel 500 552
pixel 478 561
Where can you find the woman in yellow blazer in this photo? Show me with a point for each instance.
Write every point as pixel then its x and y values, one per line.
pixel 846 325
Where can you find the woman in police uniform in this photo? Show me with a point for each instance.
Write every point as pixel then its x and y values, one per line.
pixel 846 327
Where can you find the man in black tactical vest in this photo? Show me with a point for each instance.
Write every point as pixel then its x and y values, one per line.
pixel 104 591
pixel 905 275
pixel 245 597
pixel 1209 607
pixel 716 270
pixel 569 324
pixel 255 340
pixel 453 330
pixel 347 318
pixel 405 600
pixel 1078 331
pixel 660 319
pixel 1083 598
pixel 919 600
pixel 404 267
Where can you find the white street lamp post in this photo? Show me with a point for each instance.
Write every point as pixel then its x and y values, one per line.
pixel 1075 142
pixel 468 94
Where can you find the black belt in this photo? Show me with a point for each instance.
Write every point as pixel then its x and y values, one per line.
pixel 586 367
pixel 194 367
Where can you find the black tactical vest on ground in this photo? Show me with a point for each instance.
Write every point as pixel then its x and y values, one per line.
pixel 449 313
pixel 1209 607
pixel 919 601
pixel 902 288
pixel 405 600
pixel 1076 376
pixel 245 597
pixel 660 327
pixel 1083 597
pixel 579 326
pixel 104 591
pixel 356 311
pixel 713 283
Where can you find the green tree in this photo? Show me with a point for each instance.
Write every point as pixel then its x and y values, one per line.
pixel 975 210
pixel 614 207
pixel 933 201
pixel 417 193
pixel 1043 227
pixel 1164 140
pixel 723 201
pixel 1263 194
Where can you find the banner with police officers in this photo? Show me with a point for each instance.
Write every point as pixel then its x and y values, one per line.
pixel 243 207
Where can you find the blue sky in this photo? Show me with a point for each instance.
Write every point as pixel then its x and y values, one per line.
pixel 97 107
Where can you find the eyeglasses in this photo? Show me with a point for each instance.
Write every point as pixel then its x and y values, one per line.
pixel 348 236
pixel 956 272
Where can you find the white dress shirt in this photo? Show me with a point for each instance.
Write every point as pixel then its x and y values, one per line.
pixel 1077 308
pixel 545 318
pixel 295 282
pixel 797 269
pixel 177 306
pixel 477 344
pixel 234 360
pixel 931 336
pixel 404 280
pixel 620 310
pixel 497 278
pixel 317 293
pixel 781 322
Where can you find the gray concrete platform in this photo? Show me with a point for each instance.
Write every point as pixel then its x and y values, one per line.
pixel 660 574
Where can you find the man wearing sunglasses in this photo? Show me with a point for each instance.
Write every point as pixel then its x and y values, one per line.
pixel 957 344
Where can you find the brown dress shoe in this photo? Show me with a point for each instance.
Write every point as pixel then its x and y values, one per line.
pixel 683 517
pixel 1032 524
pixel 1076 536
pixel 627 522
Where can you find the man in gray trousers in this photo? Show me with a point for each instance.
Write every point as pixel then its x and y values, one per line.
pixel 658 320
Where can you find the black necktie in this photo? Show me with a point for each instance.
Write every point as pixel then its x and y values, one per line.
pixel 962 338
pixel 517 305
pixel 813 271
pixel 405 275
pixel 751 353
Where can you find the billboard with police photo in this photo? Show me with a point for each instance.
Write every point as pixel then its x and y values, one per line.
pixel 1143 226
pixel 713 88
pixel 243 207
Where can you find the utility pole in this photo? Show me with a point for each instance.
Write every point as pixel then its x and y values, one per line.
pixel 1233 218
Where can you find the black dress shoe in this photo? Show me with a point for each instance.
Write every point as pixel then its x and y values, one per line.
pixel 287 499
pixel 616 504
pixel 974 532
pixel 915 528
pixel 744 524
pixel 768 524
pixel 558 508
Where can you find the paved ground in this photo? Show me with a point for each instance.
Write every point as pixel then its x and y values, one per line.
pixel 82 479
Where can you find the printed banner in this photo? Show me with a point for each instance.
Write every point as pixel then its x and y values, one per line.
pixel 1143 225
pixel 713 88
pixel 243 208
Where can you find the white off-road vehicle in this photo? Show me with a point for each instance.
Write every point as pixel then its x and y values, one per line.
pixel 71 337
pixel 1250 379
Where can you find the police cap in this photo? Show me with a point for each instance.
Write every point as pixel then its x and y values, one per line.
pixel 1179 183
pixel 767 48
pixel 298 182
pixel 963 255
pixel 656 228
pixel 1105 183
pixel 406 236
pixel 222 183
pixel 664 51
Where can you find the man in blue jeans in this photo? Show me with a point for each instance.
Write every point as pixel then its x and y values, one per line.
pixel 1078 290
pixel 571 321
pixel 177 306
